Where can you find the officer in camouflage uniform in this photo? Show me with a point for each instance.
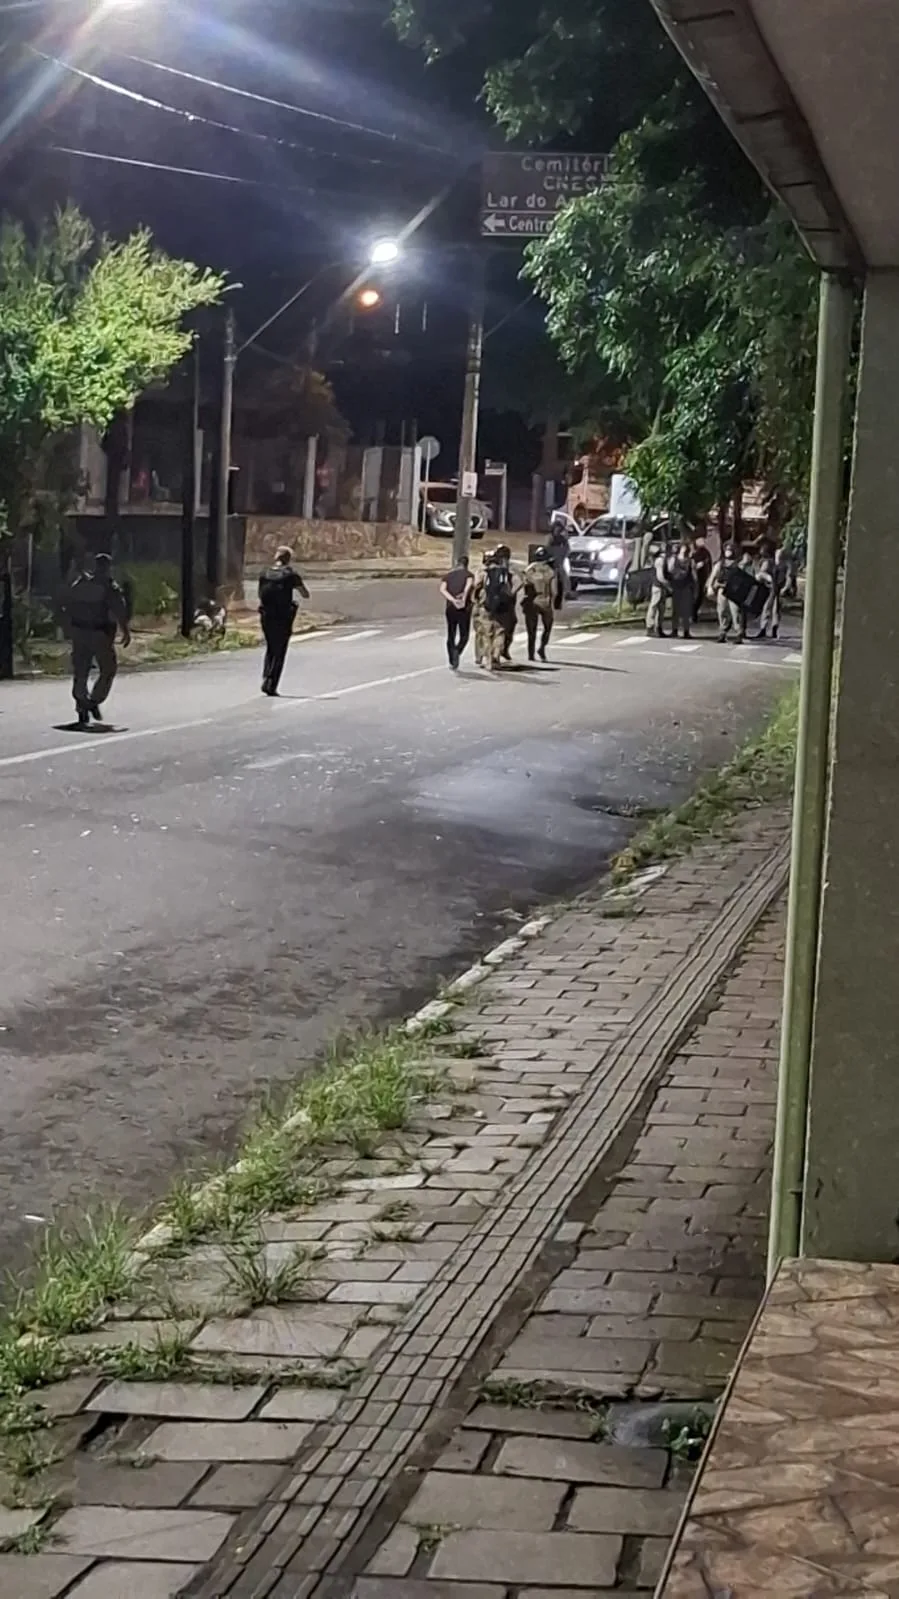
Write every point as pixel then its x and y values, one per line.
pixel 489 630
pixel 537 605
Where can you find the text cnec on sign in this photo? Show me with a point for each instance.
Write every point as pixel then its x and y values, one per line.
pixel 523 191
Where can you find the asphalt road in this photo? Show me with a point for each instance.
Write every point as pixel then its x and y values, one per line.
pixel 196 902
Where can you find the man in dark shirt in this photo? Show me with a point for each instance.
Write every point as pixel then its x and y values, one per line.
pixel 277 609
pixel 457 588
pixel 95 609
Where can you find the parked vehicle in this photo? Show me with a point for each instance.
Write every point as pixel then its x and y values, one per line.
pixel 437 514
pixel 602 552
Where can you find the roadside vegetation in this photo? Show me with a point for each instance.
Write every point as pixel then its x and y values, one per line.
pixel 761 773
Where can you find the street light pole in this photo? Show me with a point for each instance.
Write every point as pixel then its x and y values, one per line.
pixel 229 361
pixel 189 500
pixel 468 447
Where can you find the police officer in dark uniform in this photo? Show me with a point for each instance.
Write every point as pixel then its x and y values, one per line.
pixel 96 609
pixel 277 609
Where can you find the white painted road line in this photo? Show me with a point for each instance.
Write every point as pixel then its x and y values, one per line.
pixel 793 659
pixel 353 638
pixel 685 649
pixel 420 632
pixel 576 638
pixel 639 638
pixel 80 744
pixel 375 682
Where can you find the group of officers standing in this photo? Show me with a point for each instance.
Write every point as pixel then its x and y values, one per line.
pixel 741 584
pixel 488 602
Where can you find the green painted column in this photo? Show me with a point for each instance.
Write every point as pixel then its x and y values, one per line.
pixel 851 1194
pixel 837 309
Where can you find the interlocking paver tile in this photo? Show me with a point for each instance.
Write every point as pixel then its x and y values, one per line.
pixel 130 1579
pixel 237 1487
pixel 38 1576
pixel 186 1401
pixel 287 1334
pixel 575 1462
pixel 176 1535
pixel 636 1512
pixel 227 1441
pixel 579 1559
pixel 448 1499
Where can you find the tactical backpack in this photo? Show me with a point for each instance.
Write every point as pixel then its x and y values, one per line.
pixel 498 598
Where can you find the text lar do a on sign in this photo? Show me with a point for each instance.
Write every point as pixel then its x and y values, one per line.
pixel 523 191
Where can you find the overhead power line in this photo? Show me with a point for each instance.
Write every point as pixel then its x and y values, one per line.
pixel 286 105
pixel 197 172
pixel 193 116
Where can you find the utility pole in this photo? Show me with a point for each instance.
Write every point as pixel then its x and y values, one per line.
pixel 189 501
pixel 229 361
pixel 468 448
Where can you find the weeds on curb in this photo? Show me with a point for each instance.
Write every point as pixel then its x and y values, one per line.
pixel 685 1440
pixel 760 773
pixel 258 1281
pixel 514 1395
pixel 166 1357
pixel 471 1049
pixel 31 1542
pixel 79 1272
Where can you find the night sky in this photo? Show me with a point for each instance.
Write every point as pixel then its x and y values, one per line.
pixel 385 140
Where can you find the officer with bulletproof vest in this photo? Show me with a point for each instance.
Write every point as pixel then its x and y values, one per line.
pixel 95 609
pixel 540 583
pixel 493 597
pixel 278 587
pixel 731 616
pixel 510 615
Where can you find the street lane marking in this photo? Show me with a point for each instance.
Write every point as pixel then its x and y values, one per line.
pixel 685 649
pixel 421 632
pixel 576 638
pixel 740 657
pixel 353 638
pixel 622 643
pixel 80 744
pixel 793 659
pixel 375 682
pixel 76 747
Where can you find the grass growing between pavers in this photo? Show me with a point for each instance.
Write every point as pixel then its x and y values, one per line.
pixel 761 773
pixel 368 1090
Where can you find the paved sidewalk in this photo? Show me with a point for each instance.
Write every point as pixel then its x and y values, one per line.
pixel 337 1444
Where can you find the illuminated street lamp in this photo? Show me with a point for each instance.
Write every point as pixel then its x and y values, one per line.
pixel 385 252
pixel 369 299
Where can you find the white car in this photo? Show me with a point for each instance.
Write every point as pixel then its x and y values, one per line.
pixel 602 553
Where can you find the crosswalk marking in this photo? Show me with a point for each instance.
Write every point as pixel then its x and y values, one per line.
pixel 685 649
pixel 353 638
pixel 638 638
pixel 576 638
pixel 420 632
pixel 793 659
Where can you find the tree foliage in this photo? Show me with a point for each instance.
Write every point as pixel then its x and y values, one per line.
pixel 678 289
pixel 85 325
pixel 708 328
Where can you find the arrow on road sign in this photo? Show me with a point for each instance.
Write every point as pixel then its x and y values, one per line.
pixel 495 224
